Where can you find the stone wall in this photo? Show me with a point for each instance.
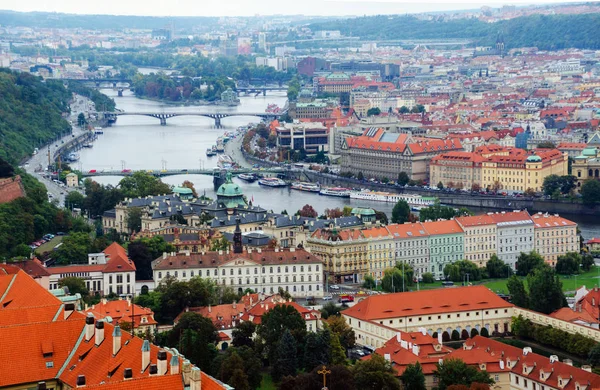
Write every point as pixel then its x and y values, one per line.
pixel 10 189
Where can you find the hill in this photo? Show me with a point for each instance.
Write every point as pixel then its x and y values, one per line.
pixel 547 32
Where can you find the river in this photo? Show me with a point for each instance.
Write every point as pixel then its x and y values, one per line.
pixel 139 142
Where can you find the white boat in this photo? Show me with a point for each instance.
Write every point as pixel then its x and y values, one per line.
pixel 225 162
pixel 272 182
pixel 412 200
pixel 304 186
pixel 337 191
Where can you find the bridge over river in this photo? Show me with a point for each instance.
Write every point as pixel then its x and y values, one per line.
pixel 216 116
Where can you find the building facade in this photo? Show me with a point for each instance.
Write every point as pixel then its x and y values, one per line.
pixel 554 236
pixel 480 238
pixel 446 244
pixel 515 234
pixel 310 136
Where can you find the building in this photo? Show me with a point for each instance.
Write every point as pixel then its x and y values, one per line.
pixel 446 244
pixel 593 244
pixel 554 236
pixel 310 136
pixel 254 314
pixel 294 270
pixel 411 246
pixel 309 65
pixel 49 345
pixel 123 311
pixel 456 170
pixel 587 165
pixel 515 234
pixel 229 97
pixel 36 269
pixel 108 272
pixel 377 318
pixel 72 180
pixel 314 109
pixel 378 154
pixel 262 41
pixel 480 237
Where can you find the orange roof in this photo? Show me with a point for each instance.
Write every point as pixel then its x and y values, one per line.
pixel 118 260
pixel 571 145
pixel 458 156
pixel 375 232
pixel 515 216
pixel 32 267
pixel 546 221
pixel 122 310
pixel 20 291
pixel 570 315
pixel 442 227
pixel 147 383
pixel 407 230
pixel 426 302
pixel 475 220
pixel 223 316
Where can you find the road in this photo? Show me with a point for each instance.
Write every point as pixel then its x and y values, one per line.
pixel 233 149
pixel 56 191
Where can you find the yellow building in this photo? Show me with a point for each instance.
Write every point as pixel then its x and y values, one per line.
pixel 587 165
pixel 480 238
pixel 456 170
pixel 554 236
pixel 361 107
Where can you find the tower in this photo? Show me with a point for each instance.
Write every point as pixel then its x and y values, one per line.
pixel 237 237
pixel 500 44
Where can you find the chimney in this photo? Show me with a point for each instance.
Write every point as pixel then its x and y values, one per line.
pixel 174 365
pixel 116 340
pixel 440 338
pixel 387 357
pixel 209 308
pixel 568 361
pixel 99 332
pixel 69 309
pixel 80 380
pixel 127 373
pixel 41 385
pixel 145 355
pixel 162 362
pixel 89 327
pixel 398 337
pixel 586 368
pixel 187 372
pixel 196 379
pixel 423 331
pixel 153 369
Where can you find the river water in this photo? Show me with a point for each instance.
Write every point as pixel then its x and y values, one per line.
pixel 139 142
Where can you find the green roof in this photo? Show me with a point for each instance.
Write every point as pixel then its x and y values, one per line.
pixel 183 191
pixel 361 211
pixel 229 189
pixel 589 152
pixel 534 158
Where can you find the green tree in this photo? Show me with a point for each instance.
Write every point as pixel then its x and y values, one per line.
pixel 337 353
pixel 375 374
pixel 232 372
pixel 220 245
pixel 457 271
pixel 496 268
pixel 75 286
pixel 403 178
pixel 594 356
pixel 145 250
pixel 312 351
pixel 403 110
pixel 287 360
pixel 81 121
pixel 526 262
pixel 428 277
pixel 590 192
pixel 360 176
pixel 340 328
pixel 456 372
pixel 73 200
pixel 546 145
pixel 401 212
pixel 330 309
pixel 437 211
pixel 194 336
pixel 587 261
pixel 272 325
pixel 413 378
pixel 142 184
pixel 134 219
pixel 517 292
pixel 242 334
pixel 374 111
pixel 440 185
pixel 545 290
pixel 568 264
pixel 74 249
pixel 369 282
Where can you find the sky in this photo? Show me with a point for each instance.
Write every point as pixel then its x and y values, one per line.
pixel 253 7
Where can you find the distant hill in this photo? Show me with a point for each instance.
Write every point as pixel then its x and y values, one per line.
pixel 545 32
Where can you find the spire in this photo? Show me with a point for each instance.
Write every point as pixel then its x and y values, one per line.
pixel 237 237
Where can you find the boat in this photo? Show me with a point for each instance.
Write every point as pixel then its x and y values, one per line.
pixel 98 130
pixel 272 182
pixel 340 192
pixel 210 152
pixel 249 177
pixel 412 200
pixel 73 157
pixel 225 162
pixel 304 186
pixel 87 145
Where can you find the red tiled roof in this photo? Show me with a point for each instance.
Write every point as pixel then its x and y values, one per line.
pixel 223 316
pixel 475 220
pixel 162 382
pixel 20 291
pixel 32 267
pixel 122 310
pixel 545 221
pixel 570 315
pixel 442 227
pixel 408 230
pixel 510 216
pixel 426 302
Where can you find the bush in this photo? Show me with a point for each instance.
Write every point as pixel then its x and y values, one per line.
pixel 484 332
pixel 455 335
pixel 428 277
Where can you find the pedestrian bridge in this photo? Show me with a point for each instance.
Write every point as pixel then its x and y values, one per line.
pixel 173 172
pixel 164 115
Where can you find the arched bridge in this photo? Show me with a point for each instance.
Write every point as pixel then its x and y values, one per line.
pixel 173 172
pixel 163 116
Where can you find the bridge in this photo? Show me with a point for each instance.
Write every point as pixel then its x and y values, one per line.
pixel 173 172
pixel 251 89
pixel 216 116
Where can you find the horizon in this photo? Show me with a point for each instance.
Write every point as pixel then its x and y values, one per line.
pixel 269 8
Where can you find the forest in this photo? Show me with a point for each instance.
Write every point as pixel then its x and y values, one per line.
pixel 546 32
pixel 30 113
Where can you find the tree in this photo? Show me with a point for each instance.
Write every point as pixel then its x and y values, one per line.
pixel 74 249
pixel 190 185
pixel 340 328
pixel 375 374
pixel 307 211
pixel 374 111
pixel 381 217
pixel 403 110
pixel 6 170
pixel 272 325
pixel 360 176
pixel 337 353
pixel 81 121
pixel 194 336
pixel 440 185
pixel 496 268
pixel 287 360
pixel 545 290
pixel 413 378
pixel 73 200
pixel 526 262
pixel 485 332
pixel 437 211
pixel 221 244
pixel 587 261
pixel 517 292
pixel 546 145
pixel 242 334
pixel 590 192
pixel 232 372
pixel 369 282
pixel 568 264
pixel 428 277
pixel 458 271
pixel 330 309
pixel 594 355
pixel 334 213
pixel 456 372
pixel 142 184
pixel 143 251
pixel 403 178
pixel 554 184
pixel 75 286
pixel 401 212
pixel 134 219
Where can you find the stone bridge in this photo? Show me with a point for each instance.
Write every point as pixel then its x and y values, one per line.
pixel 163 116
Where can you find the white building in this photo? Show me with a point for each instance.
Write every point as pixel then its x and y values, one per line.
pixel 108 272
pixel 265 271
pixel 514 235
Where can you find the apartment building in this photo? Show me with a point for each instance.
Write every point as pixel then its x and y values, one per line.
pixel 554 236
pixel 446 244
pixel 515 234
pixel 480 237
pixel 456 170
pixel 310 136
pixel 411 245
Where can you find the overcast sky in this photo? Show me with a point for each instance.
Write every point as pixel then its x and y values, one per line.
pixel 251 7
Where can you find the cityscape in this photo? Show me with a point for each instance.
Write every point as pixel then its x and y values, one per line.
pixel 299 197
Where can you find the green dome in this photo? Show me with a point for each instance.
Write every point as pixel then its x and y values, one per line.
pixel 534 158
pixel 183 191
pixel 229 188
pixel 361 211
pixel 589 152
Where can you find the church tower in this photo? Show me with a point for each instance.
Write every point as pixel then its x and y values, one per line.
pixel 237 237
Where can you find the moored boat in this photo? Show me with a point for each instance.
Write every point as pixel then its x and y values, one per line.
pixel 249 177
pixel 272 182
pixel 339 192
pixel 412 200
pixel 304 186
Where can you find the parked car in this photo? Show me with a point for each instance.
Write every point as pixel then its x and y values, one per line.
pixel 327 297
pixel 334 287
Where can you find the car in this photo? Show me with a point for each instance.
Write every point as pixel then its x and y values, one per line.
pixel 334 287
pixel 62 192
pixel 184 170
pixel 126 170
pixel 327 297
pixel 60 233
pixel 92 171
pixel 360 353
